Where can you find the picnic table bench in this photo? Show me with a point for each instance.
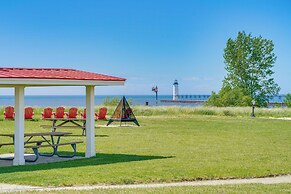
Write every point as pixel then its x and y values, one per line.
pixel 55 147
pixel 39 144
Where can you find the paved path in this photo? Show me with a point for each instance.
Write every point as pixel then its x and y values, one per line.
pixel 14 188
pixel 268 180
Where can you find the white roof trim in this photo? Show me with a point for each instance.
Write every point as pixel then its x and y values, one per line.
pixel 11 82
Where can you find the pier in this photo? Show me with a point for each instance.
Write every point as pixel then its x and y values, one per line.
pixel 184 101
pixel 193 97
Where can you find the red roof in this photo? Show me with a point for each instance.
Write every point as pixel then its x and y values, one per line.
pixel 54 73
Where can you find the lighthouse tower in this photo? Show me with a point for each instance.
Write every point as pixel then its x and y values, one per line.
pixel 175 90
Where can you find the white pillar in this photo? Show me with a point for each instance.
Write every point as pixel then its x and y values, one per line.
pixel 90 122
pixel 175 90
pixel 19 126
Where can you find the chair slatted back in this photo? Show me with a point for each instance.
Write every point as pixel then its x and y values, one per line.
pixel 47 113
pixel 83 115
pixel 73 113
pixel 102 113
pixel 28 113
pixel 60 112
pixel 9 112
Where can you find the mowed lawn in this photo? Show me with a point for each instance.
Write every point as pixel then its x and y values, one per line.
pixel 165 149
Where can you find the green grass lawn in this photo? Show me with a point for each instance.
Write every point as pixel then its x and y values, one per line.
pixel 166 149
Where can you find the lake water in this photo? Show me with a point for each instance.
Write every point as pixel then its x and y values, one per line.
pixel 71 100
pixel 54 101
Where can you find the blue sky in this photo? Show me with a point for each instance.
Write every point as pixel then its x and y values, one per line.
pixel 150 42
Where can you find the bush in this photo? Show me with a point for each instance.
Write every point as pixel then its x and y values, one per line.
pixel 228 97
pixel 287 100
pixel 111 102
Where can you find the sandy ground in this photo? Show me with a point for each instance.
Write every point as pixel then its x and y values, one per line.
pixel 268 180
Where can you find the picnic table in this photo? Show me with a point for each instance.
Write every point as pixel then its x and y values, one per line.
pixel 53 142
pixel 63 121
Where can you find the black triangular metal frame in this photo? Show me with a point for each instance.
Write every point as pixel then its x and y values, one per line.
pixel 123 113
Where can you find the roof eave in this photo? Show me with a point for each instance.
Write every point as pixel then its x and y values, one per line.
pixel 8 82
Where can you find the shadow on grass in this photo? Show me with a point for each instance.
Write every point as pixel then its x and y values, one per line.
pixel 99 159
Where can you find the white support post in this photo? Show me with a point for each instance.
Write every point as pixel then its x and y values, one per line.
pixel 19 126
pixel 90 122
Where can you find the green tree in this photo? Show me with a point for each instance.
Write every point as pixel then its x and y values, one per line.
pixel 249 62
pixel 287 100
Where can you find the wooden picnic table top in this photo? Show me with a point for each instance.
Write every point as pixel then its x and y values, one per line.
pixel 38 134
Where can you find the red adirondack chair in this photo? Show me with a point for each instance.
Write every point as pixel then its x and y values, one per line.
pixel 47 113
pixel 83 115
pixel 9 112
pixel 102 113
pixel 60 112
pixel 73 113
pixel 28 113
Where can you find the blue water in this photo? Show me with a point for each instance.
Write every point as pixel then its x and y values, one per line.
pixel 58 100
pixel 43 101
pixel 277 98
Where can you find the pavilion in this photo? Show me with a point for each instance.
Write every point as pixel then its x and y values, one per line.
pixel 19 78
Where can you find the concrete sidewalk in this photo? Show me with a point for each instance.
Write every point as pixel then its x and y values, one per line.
pixel 267 180
pixel 41 159
pixel 15 188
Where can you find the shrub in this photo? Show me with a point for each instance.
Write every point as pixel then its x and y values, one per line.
pixel 287 100
pixel 228 97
